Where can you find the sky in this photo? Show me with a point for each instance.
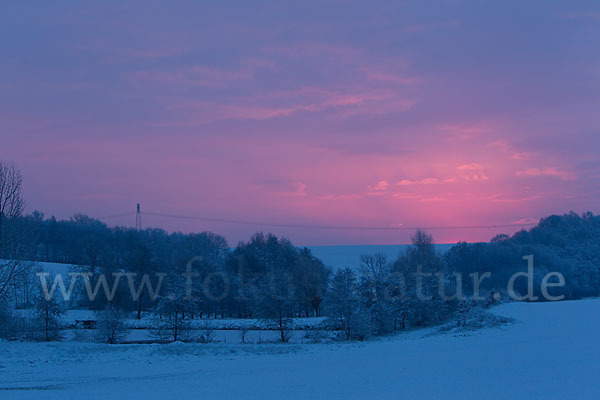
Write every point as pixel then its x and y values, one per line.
pixel 391 114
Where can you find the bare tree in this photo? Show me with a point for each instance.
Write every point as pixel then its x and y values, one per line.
pixel 49 313
pixel 376 282
pixel 11 199
pixel 11 208
pixel 375 266
pixel 172 325
pixel 273 299
pixel 110 328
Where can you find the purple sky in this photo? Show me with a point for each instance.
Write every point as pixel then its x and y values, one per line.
pixel 362 113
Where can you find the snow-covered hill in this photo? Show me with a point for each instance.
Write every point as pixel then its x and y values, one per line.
pixel 550 352
pixel 51 268
pixel 349 256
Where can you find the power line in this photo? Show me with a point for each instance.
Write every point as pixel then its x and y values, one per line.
pixel 127 214
pixel 317 227
pixel 330 227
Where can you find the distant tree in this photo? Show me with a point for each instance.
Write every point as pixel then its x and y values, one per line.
pixel 423 271
pixel 272 279
pixel 343 304
pixel 110 324
pixel 138 259
pixel 170 309
pixel 49 313
pixel 273 299
pixel 11 209
pixel 374 283
pixel 567 244
pixel 311 278
pixel 11 199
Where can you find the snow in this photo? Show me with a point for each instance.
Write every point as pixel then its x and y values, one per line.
pixel 550 352
pixel 229 336
pixel 332 256
pixel 148 321
pixel 349 256
pixel 51 268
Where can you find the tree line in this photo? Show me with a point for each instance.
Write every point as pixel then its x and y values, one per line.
pixel 268 277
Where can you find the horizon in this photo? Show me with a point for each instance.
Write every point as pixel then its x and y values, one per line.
pixel 278 231
pixel 312 113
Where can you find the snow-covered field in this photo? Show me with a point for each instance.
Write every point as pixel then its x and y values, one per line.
pixel 552 351
pixel 51 268
pixel 333 256
pixel 349 256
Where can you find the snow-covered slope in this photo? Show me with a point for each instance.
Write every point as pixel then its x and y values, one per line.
pixel 551 352
pixel 349 256
pixel 51 268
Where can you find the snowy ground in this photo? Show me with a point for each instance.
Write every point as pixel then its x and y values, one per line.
pixel 301 330
pixel 349 256
pixel 551 352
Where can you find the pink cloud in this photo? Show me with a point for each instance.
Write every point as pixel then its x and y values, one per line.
pixel 341 104
pixel 472 172
pixel 379 189
pixel 470 167
pixel 336 197
pixel 381 185
pixel 501 198
pixel 433 198
pixel 521 156
pixel 426 181
pixel 524 221
pixel 345 125
pixel 405 196
pixel 297 189
pixel 552 171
